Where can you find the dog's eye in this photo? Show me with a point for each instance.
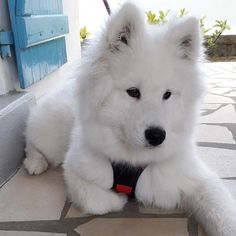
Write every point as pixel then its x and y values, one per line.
pixel 134 92
pixel 124 40
pixel 166 95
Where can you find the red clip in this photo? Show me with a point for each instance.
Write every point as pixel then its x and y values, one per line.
pixel 123 189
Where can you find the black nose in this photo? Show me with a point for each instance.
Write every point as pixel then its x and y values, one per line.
pixel 155 135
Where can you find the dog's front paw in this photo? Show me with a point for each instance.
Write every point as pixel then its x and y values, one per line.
pixel 36 164
pixel 105 204
pixel 119 202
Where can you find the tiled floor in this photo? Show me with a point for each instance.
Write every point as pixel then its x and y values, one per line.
pixel 37 206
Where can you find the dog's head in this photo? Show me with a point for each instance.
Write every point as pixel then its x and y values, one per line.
pixel 143 82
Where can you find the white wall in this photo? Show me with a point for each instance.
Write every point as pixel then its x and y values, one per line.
pixel 7 66
pixel 8 75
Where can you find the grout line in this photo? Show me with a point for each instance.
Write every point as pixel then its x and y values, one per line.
pixel 65 209
pixel 229 178
pixel 12 175
pixel 192 227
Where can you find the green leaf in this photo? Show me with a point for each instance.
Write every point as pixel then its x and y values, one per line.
pixel 151 17
pixel 202 21
pixel 83 33
pixel 216 30
pixel 183 12
pixel 163 16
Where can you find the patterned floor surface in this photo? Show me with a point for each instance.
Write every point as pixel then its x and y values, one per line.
pixel 37 206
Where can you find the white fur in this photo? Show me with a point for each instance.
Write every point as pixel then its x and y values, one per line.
pixel 109 124
pixel 48 129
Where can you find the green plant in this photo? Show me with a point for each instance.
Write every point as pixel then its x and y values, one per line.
pixel 219 27
pixel 183 12
pixel 202 26
pixel 84 33
pixel 153 19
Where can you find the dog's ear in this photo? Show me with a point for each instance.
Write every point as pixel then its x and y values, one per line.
pixel 186 36
pixel 123 27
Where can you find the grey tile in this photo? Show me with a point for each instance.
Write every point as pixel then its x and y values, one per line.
pixel 212 98
pixel 225 114
pixel 222 161
pixel 210 106
pixel 135 227
pixel 214 133
pixel 231 94
pixel 220 90
pixel 74 212
pixel 27 197
pixel 231 185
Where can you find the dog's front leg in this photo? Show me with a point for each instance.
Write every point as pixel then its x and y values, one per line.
pixel 212 205
pixel 89 179
pixel 156 187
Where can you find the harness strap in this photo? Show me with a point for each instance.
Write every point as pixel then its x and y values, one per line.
pixel 126 178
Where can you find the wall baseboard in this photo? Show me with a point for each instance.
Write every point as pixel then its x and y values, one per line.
pixel 14 109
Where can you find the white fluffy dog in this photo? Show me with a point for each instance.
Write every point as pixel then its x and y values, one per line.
pixel 135 102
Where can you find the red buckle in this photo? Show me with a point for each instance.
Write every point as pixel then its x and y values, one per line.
pixel 123 189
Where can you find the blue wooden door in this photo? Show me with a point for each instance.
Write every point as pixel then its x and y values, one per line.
pixel 39 29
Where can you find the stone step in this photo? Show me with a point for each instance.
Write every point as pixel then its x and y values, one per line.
pixel 14 109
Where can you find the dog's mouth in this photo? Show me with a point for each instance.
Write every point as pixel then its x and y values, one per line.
pixel 148 146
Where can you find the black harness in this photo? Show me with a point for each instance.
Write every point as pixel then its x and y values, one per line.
pixel 126 178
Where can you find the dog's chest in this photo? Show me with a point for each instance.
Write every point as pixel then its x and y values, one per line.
pixel 126 178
